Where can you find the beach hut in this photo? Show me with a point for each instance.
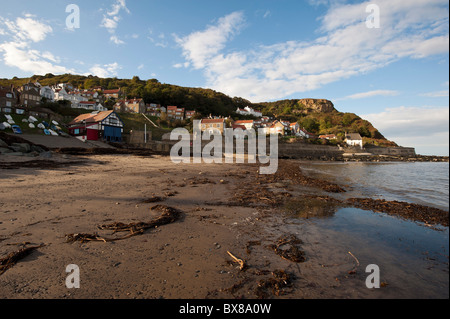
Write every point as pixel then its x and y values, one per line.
pixel 94 126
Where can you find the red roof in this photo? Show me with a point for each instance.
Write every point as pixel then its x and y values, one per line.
pixel 91 118
pixel 244 122
pixel 111 91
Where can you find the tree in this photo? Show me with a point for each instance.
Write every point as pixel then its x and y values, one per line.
pixel 310 124
pixel 348 119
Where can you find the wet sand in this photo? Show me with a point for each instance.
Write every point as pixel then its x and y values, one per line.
pixel 224 208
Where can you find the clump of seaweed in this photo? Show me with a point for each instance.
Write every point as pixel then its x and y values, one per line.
pixel 287 248
pixel 12 258
pixel 168 215
pixel 275 285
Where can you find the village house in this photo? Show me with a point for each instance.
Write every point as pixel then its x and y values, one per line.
pixel 213 126
pixel 305 134
pixel 328 137
pixel 8 99
pixel 295 128
pixel 354 139
pixel 277 128
pixel 112 94
pixel 47 93
pixel 60 94
pixel 91 105
pixel 29 95
pixel 75 98
pixel 175 113
pixel 66 86
pixel 247 124
pixel 106 126
pixel 190 114
pixel 91 95
pixel 156 110
pixel 130 106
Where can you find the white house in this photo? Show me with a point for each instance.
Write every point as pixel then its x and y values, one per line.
pixel 90 105
pixel 354 139
pixel 48 93
pixel 248 124
pixel 60 94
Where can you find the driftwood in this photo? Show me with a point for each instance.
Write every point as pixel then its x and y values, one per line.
pixel 241 262
pixel 353 271
pixel 12 258
pixel 169 215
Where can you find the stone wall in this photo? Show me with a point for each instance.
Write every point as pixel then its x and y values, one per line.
pixel 393 151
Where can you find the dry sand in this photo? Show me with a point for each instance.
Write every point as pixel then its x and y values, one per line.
pixel 186 259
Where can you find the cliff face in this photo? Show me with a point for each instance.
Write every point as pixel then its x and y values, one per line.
pixel 318 105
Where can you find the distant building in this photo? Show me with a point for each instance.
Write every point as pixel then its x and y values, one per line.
pixel 175 113
pixel 295 128
pixel 354 139
pixel 95 126
pixel 130 106
pixel 190 114
pixel 91 105
pixel 155 109
pixel 29 96
pixel 328 137
pixel 247 124
pixel 114 94
pixel 305 134
pixel 8 99
pixel 213 125
pixel 277 128
pixel 47 93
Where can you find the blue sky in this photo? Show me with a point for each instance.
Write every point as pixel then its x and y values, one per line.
pixel 396 76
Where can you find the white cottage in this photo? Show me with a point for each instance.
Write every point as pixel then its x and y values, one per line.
pixel 354 139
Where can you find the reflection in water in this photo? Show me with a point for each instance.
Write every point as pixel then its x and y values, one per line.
pixel 310 207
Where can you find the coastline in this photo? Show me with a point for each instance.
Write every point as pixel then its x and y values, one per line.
pixel 225 208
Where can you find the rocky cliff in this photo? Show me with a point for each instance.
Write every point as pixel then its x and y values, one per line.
pixel 317 105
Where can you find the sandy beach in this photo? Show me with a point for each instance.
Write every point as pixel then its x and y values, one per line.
pixel 225 210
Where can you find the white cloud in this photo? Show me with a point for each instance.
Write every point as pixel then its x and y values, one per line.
pixel 18 51
pixel 111 19
pixel 106 70
pixel 200 47
pixel 21 56
pixel 420 127
pixel 345 48
pixel 364 95
pixel 443 93
pixel 115 39
pixel 141 66
pixel 32 29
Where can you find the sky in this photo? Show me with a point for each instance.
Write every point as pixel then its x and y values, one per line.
pixel 385 60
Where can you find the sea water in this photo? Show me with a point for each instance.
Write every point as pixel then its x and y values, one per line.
pixel 425 183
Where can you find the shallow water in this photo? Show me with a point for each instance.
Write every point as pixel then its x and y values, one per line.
pixel 413 259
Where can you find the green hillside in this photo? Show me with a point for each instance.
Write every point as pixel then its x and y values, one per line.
pixel 316 116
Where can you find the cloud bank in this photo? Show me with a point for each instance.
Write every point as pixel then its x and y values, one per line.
pixel 345 48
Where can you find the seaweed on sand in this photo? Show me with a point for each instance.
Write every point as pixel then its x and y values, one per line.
pixel 168 215
pixel 12 258
pixel 292 252
pixel 275 285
